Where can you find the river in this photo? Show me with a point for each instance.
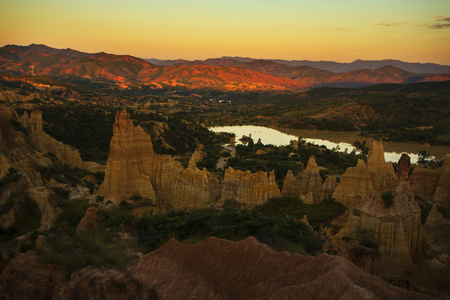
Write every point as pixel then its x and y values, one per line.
pixel 340 141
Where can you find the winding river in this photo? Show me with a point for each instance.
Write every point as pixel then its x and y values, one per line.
pixel 340 141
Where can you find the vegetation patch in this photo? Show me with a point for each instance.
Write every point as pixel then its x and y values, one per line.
pixel 279 232
pixel 388 198
pixel 317 214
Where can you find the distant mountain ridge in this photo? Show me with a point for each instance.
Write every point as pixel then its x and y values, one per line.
pixel 360 64
pixel 230 74
pixel 331 66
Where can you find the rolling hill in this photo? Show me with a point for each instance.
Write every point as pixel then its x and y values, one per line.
pixel 226 74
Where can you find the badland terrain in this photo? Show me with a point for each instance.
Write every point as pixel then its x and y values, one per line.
pixel 111 185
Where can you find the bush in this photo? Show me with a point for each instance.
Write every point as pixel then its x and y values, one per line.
pixel 318 213
pixel 388 198
pixel 279 232
pixel 365 237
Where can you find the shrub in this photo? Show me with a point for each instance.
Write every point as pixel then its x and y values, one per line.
pixel 365 237
pixel 388 198
pixel 136 197
pixel 279 232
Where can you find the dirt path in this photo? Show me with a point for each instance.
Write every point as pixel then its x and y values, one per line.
pixel 222 162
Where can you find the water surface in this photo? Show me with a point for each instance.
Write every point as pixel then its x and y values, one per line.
pixel 340 141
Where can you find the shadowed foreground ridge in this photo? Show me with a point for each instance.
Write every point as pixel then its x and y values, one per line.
pixel 221 269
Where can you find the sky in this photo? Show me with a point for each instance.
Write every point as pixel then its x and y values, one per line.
pixel 342 31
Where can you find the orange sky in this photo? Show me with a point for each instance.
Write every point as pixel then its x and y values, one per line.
pixel 346 30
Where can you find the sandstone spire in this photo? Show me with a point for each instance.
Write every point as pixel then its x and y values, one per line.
pixel 384 172
pixel 291 185
pixel 129 162
pixel 356 187
pixel 311 181
pixel 403 167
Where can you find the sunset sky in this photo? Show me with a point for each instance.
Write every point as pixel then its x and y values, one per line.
pixel 345 30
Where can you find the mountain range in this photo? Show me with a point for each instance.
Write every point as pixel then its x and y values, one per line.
pixel 226 73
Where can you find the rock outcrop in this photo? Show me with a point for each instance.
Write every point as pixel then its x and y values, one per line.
pixel 356 187
pixel 215 269
pixel 385 178
pixel 309 186
pixel 49 212
pixel 403 166
pixel 437 229
pixel 433 184
pixel 129 162
pixel 249 189
pixel 360 183
pixel 45 143
pixel 311 181
pixel 424 181
pixel 196 157
pixel 134 168
pixel 329 186
pixel 398 228
pixel 442 194
pixel 25 278
pixel 21 180
pixel 91 283
pixel 90 220
pixel 221 269
pixel 291 185
pixel 194 188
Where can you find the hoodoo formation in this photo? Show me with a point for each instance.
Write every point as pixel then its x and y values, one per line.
pixel 134 168
pixel 378 200
pixel 308 186
pixel 356 187
pixel 397 228
pixel 433 183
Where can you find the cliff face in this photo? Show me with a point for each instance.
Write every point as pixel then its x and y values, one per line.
pixel 433 184
pixel 437 229
pixel 360 183
pixel 21 180
pixel 356 187
pixel 45 143
pixel 442 194
pixel 329 186
pixel 194 188
pixel 134 168
pixel 398 228
pixel 129 163
pixel 249 189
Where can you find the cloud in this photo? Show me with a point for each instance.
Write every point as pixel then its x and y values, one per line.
pixel 387 24
pixel 441 25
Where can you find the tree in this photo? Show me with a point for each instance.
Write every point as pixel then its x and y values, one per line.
pixel 424 156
